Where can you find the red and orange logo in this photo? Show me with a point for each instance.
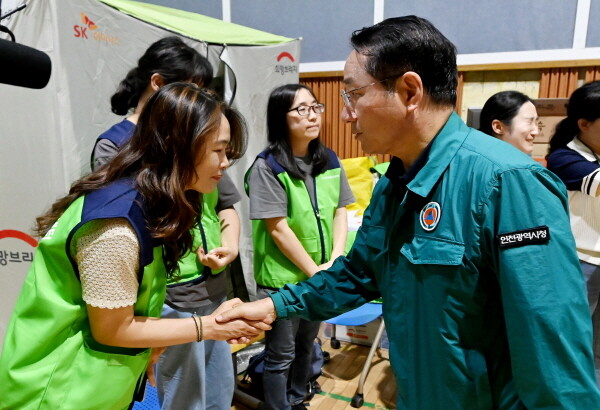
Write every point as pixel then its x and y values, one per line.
pixel 81 31
pixel 87 22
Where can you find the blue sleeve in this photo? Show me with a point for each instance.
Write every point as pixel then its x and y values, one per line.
pixel 577 173
pixel 543 294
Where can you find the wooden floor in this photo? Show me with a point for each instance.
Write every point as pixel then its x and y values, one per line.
pixel 341 375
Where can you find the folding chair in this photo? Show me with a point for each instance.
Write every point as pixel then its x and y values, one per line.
pixel 359 316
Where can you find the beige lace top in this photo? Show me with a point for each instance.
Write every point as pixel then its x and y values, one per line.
pixel 107 255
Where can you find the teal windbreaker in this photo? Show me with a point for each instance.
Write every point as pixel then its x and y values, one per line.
pixel 483 298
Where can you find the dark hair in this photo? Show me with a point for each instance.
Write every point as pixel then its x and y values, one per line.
pixel 583 103
pixel 173 60
pixel 397 45
pixel 502 106
pixel 160 157
pixel 278 133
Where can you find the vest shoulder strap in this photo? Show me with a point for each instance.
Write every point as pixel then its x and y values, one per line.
pixel 120 200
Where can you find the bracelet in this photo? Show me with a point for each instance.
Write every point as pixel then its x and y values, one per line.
pixel 199 330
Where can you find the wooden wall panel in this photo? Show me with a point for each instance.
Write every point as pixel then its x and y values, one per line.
pixel 558 82
pixel 459 91
pixel 592 74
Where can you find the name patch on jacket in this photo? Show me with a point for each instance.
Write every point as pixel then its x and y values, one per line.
pixel 531 236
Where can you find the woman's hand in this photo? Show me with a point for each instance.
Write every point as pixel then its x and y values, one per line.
pixel 217 258
pixel 154 356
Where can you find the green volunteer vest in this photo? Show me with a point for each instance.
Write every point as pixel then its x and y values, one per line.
pixel 50 359
pixel 207 236
pixel 314 228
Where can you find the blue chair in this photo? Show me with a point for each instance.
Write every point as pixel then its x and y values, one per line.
pixel 357 317
pixel 150 400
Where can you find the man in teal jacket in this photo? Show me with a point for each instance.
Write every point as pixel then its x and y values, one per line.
pixel 466 239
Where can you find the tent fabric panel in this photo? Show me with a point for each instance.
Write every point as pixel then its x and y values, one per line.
pixel 195 25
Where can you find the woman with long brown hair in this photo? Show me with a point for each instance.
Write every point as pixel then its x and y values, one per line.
pixel 89 308
pixel 184 372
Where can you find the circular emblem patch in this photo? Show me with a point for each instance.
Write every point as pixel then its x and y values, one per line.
pixel 430 216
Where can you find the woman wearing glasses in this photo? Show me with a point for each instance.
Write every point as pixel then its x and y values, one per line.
pixel 298 195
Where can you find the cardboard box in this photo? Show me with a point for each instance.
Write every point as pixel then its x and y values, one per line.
pixel 362 335
pixel 550 112
pixel 551 106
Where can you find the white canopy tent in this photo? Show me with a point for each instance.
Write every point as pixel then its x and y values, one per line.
pixel 47 135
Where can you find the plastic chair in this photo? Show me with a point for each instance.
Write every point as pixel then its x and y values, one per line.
pixel 360 316
pixel 150 400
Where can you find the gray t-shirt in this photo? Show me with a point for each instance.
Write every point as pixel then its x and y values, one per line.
pixel 214 288
pixel 228 193
pixel 268 198
pixel 104 151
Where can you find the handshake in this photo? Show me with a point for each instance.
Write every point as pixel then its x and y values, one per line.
pixel 238 322
pixel 234 321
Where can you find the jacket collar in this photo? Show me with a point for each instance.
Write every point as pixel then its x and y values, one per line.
pixel 422 176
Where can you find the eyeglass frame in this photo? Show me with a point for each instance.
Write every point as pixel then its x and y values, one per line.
pixel 308 107
pixel 346 94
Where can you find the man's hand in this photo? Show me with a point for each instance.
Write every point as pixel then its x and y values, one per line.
pixel 234 330
pixel 262 311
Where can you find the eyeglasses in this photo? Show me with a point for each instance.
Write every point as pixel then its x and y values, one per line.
pixel 304 110
pixel 347 95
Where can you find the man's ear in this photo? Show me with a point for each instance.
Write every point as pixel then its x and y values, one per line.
pixel 156 81
pixel 498 127
pixel 410 88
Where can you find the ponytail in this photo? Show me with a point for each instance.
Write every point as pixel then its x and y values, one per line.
pixel 129 92
pixel 584 103
pixel 564 133
pixel 169 57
